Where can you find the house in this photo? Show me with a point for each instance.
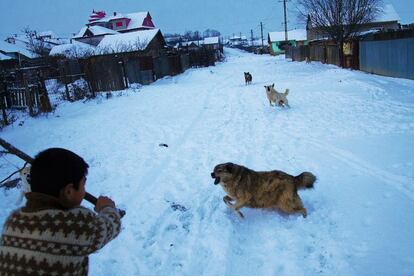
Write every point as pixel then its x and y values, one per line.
pixel 101 25
pixel 35 44
pixel 385 21
pixel 237 40
pixel 150 42
pixel 211 43
pixel 191 44
pixel 17 51
pixel 93 34
pixel 277 40
pixel 122 23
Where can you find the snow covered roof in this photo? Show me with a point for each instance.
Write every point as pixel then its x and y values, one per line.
pixel 137 19
pixel 46 33
pixel 297 35
pixel 189 43
pixel 388 14
pixel 18 47
pixel 211 40
pixel 4 57
pixel 95 30
pixel 238 38
pixel 75 49
pixel 126 42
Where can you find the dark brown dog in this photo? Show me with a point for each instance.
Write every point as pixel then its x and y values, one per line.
pixel 247 78
pixel 273 189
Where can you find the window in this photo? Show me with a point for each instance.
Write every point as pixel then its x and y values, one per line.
pixel 119 24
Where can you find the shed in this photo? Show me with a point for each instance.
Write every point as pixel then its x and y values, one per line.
pixel 147 41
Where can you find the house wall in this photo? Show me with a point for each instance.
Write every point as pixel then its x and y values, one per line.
pixel 118 25
pixel 393 58
pixel 156 45
pixel 276 46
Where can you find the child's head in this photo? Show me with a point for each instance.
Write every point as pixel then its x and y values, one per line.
pixel 55 168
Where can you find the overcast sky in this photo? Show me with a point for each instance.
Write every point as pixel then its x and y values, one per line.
pixel 65 17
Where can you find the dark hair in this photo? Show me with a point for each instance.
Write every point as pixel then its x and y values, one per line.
pixel 54 168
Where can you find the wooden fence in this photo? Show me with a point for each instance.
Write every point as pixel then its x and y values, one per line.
pixel 102 73
pixel 22 97
pixel 326 52
pixel 29 96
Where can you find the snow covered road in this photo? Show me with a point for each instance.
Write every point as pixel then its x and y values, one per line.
pixel 353 130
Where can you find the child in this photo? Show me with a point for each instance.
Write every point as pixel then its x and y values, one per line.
pixel 52 234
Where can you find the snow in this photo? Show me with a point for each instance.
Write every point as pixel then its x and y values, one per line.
pixel 297 35
pixel 18 47
pixel 211 40
pixel 4 57
pixel 75 49
pixel 126 42
pixel 354 131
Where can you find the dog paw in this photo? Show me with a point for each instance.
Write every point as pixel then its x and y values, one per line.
pixel 239 214
pixel 304 213
pixel 228 201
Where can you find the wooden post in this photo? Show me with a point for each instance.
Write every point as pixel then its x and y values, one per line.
pixel 45 104
pixel 65 80
pixel 28 98
pixel 3 94
pixel 3 110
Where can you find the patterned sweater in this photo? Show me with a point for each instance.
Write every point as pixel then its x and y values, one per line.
pixel 44 238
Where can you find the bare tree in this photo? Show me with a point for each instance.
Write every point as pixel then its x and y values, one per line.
pixel 210 33
pixel 338 19
pixel 36 45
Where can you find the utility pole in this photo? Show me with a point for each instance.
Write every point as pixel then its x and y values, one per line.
pixel 251 35
pixel 285 22
pixel 261 31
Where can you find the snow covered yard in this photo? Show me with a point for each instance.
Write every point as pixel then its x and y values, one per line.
pixel 353 130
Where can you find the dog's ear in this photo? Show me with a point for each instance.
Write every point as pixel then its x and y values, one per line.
pixel 229 167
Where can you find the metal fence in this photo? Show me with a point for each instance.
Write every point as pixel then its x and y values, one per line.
pixel 393 58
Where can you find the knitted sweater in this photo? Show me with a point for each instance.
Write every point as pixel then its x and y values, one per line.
pixel 44 238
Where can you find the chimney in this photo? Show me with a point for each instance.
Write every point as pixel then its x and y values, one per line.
pixel 114 13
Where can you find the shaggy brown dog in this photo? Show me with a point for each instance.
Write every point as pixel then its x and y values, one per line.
pixel 247 78
pixel 273 189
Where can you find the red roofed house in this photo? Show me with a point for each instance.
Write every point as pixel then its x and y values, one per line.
pixel 101 25
pixel 122 23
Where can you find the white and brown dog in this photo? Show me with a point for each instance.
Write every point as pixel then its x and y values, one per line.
pixel 275 97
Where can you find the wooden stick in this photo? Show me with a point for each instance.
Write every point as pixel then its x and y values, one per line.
pixel 11 149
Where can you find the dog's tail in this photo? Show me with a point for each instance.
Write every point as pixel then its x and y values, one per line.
pixel 305 180
pixel 286 91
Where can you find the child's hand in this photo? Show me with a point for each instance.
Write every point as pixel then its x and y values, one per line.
pixel 102 202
